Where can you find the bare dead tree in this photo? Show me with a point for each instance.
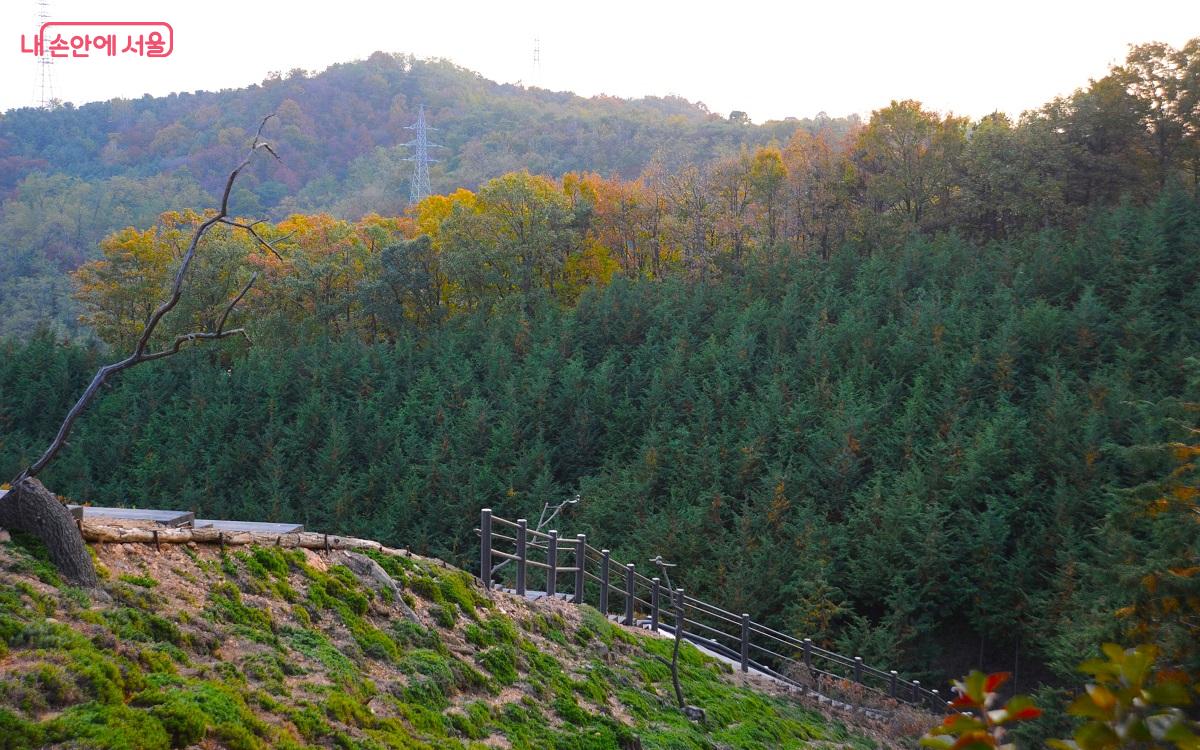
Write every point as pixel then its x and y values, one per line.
pixel 543 521
pixel 29 506
pixel 677 604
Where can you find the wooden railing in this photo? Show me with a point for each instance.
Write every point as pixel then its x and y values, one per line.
pixel 597 577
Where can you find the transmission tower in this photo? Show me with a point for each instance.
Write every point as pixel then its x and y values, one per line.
pixel 420 145
pixel 44 80
pixel 537 61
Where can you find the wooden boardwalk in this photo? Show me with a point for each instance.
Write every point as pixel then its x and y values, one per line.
pixel 160 517
pixel 176 519
pixel 258 527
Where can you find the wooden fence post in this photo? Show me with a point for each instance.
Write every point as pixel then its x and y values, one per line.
pixel 654 589
pixel 604 560
pixel 916 691
pixel 745 642
pixel 485 547
pixel 892 683
pixel 808 653
pixel 858 669
pixel 580 565
pixel 552 563
pixel 522 555
pixel 629 587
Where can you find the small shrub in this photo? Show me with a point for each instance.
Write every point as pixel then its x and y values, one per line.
pixel 267 669
pixel 457 587
pixel 374 642
pixel 131 624
pixel 310 722
pixel 183 722
pixel 342 708
pixel 501 661
pixel 17 733
pixel 427 588
pixel 108 727
pixel 444 616
pixel 145 582
pixel 225 604
pixel 412 635
pixel 36 559
pixel 317 647
pixel 491 632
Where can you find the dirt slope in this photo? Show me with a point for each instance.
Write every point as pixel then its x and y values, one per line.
pixel 261 647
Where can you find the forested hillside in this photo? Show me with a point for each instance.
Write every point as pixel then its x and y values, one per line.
pixel 827 439
pixel 886 387
pixel 71 175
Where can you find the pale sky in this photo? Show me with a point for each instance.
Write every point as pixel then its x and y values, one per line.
pixel 769 59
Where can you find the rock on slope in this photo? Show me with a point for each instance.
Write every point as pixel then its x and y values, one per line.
pixel 270 648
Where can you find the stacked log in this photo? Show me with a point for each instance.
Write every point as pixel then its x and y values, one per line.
pixel 114 534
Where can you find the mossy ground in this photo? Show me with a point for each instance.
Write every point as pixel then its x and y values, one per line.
pixel 270 648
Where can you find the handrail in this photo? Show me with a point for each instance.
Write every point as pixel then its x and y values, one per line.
pixel 730 619
pixel 711 607
pixel 779 656
pixel 626 582
pixel 611 586
pixel 721 633
pixel 568 546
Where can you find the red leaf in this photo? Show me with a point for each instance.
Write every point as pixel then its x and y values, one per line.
pixel 995 680
pixel 1027 713
pixel 975 740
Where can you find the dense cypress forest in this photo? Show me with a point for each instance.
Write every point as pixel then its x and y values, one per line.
pixel 897 385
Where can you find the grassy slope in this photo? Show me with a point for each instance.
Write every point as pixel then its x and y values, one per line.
pixel 271 648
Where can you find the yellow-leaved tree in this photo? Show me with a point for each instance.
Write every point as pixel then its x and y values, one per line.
pixel 119 292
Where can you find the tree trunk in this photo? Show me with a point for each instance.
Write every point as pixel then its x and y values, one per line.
pixel 31 508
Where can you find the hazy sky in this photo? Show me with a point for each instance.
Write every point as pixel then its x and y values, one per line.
pixel 768 59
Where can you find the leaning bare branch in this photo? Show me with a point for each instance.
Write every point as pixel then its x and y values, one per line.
pixel 234 302
pixel 270 246
pixel 542 522
pixel 219 333
pixel 184 338
pixel 258 135
pixel 254 146
pixel 139 353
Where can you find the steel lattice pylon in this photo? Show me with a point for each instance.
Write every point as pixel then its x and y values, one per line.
pixel 43 84
pixel 419 187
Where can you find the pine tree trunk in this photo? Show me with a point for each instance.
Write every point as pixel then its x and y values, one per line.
pixel 31 508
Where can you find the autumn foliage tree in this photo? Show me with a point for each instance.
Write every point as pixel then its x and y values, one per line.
pixel 119 292
pixel 908 158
